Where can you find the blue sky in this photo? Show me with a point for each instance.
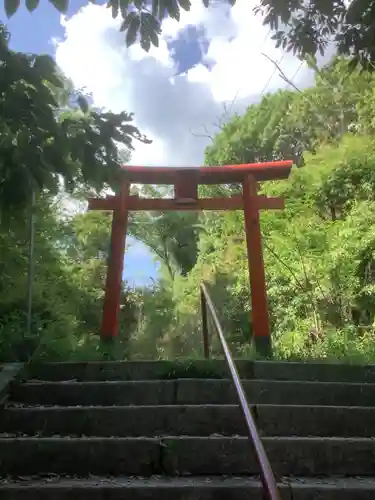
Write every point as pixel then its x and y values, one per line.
pixel 35 32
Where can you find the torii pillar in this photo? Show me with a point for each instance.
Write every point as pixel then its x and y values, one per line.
pixel 113 285
pixel 185 182
pixel 259 303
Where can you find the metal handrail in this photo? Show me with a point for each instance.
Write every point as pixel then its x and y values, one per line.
pixel 270 489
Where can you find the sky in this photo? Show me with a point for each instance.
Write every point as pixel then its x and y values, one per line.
pixel 209 62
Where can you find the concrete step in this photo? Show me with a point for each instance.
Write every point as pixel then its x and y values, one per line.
pixel 187 420
pixel 197 488
pixel 193 391
pixel 147 370
pixel 176 456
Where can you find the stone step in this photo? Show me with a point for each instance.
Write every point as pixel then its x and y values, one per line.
pixel 147 370
pixel 176 456
pixel 188 420
pixel 197 488
pixel 193 391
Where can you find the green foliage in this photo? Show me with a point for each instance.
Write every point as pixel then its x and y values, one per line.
pixel 286 124
pixel 70 268
pixel 172 236
pixel 51 139
pixel 319 251
pixel 319 270
pixel 346 345
pixel 310 28
pixel 51 135
pixel 138 21
pixel 189 369
pixel 302 29
pixel 42 145
pixel 156 321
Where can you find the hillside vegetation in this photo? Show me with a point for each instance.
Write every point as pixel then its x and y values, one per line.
pixel 319 251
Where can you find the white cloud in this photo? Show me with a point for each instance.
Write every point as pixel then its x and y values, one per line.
pixel 166 106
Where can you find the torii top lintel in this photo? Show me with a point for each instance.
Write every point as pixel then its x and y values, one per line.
pixel 186 181
pixel 224 174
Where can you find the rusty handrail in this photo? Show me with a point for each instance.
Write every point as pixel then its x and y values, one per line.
pixel 270 489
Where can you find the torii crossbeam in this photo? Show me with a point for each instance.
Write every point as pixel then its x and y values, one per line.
pixel 186 182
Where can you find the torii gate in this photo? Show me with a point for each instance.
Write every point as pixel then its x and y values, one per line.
pixel 185 182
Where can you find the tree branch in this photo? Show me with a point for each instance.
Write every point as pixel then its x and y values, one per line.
pixel 282 74
pixel 206 135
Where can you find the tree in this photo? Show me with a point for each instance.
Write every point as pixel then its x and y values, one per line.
pixel 286 124
pixel 140 18
pixel 306 28
pixel 302 27
pixel 87 243
pixel 319 268
pixel 319 251
pixel 43 141
pixel 68 287
pixel 52 142
pixel 172 236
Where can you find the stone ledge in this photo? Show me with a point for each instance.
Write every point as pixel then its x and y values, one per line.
pixel 194 391
pixel 185 456
pixel 187 420
pixel 198 368
pixel 199 488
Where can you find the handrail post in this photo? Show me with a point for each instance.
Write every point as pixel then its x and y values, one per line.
pixel 206 346
pixel 30 271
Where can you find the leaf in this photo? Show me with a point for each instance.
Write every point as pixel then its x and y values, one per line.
pixel 154 23
pixel 154 38
pixel 155 7
pixel 115 5
pixel 124 5
pixel 173 9
pixel 148 33
pixel 145 43
pixel 185 4
pixel 161 9
pixel 128 20
pixel 11 7
pixel 82 103
pixel 44 63
pixel 150 28
pixel 31 5
pixel 131 34
pixel 60 5
pixel 46 67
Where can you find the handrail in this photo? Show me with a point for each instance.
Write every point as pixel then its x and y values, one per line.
pixel 270 489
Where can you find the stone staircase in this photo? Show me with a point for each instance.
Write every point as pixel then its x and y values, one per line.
pixel 157 430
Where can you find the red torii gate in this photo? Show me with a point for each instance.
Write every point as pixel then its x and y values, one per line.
pixel 185 182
